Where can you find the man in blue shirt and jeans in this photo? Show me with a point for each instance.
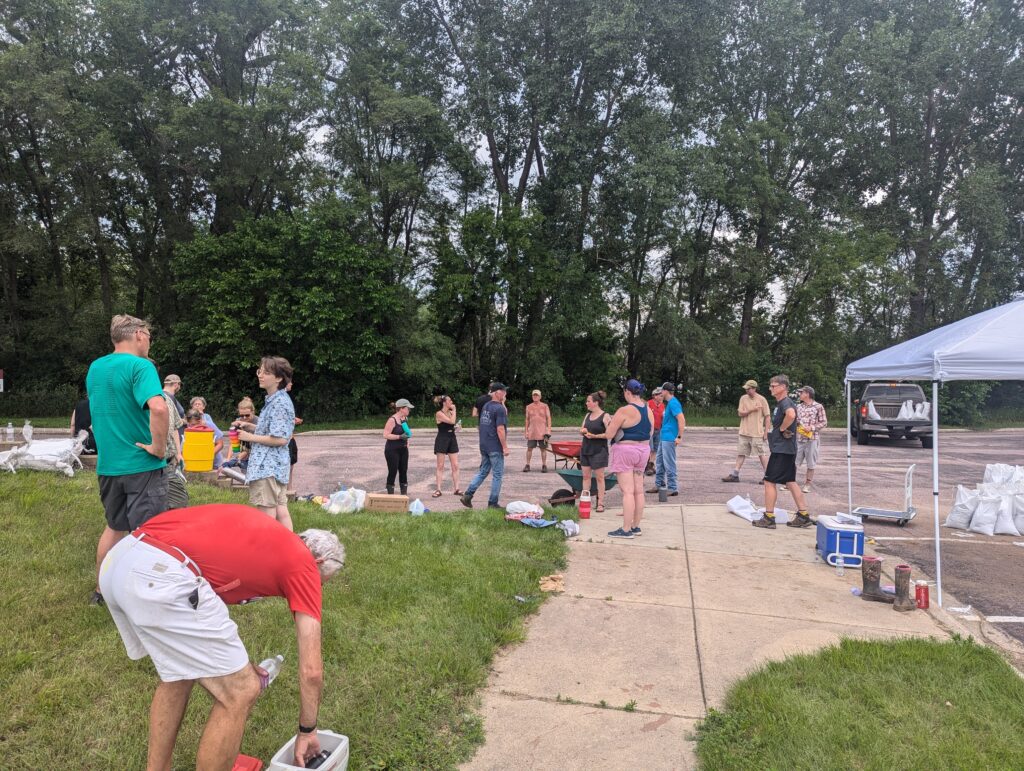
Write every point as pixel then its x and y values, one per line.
pixel 493 446
pixel 672 424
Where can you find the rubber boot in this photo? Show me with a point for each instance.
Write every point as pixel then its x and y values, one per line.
pixel 871 574
pixel 404 489
pixel 391 489
pixel 904 602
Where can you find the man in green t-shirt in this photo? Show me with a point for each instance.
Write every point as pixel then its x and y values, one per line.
pixel 132 468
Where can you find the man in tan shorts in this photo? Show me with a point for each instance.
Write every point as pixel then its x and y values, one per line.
pixel 755 424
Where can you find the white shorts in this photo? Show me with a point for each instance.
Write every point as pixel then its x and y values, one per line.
pixel 147 592
pixel 807 454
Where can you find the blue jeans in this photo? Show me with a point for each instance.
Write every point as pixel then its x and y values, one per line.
pixel 655 444
pixel 665 467
pixel 491 461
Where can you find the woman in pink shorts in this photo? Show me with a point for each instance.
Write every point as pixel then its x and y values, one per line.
pixel 631 426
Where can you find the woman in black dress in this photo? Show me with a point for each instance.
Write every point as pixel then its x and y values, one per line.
pixel 445 443
pixel 594 452
pixel 396 446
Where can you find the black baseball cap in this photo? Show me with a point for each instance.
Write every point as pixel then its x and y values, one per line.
pixel 670 387
pixel 498 386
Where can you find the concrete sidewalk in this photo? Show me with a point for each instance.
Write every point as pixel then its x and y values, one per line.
pixel 664 624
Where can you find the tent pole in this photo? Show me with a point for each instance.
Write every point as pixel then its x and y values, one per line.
pixel 849 459
pixel 935 487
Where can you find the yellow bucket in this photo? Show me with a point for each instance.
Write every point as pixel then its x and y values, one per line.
pixel 198 449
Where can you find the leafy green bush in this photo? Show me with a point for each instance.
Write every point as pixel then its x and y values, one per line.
pixel 40 400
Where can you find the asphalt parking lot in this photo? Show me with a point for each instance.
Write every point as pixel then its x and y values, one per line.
pixel 984 572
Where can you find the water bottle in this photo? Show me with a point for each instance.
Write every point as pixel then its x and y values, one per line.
pixel 840 564
pixel 458 424
pixel 273 668
pixel 10 432
pixel 584 504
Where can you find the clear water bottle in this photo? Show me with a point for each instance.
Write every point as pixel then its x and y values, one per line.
pixel 273 668
pixel 10 432
pixel 840 564
pixel 458 424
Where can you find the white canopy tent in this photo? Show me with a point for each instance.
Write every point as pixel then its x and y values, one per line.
pixel 986 346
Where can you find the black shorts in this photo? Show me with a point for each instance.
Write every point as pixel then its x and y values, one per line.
pixel 293 452
pixel 446 444
pixel 781 468
pixel 131 499
pixel 532 444
pixel 597 459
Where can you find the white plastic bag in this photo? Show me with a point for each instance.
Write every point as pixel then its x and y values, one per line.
pixel 922 411
pixel 964 504
pixel 524 507
pixel 872 412
pixel 1004 520
pixel 346 501
pixel 986 514
pixel 742 507
pixel 416 508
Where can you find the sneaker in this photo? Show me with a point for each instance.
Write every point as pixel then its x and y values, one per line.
pixel 466 501
pixel 96 599
pixel 800 520
pixel 767 522
pixel 620 533
pixel 806 488
pixel 731 478
pixel 637 531
pixel 653 491
pixel 673 492
pixel 526 468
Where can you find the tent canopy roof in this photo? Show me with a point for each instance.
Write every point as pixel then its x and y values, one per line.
pixel 986 346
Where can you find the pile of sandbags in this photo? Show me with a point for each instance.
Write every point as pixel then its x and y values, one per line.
pixel 994 507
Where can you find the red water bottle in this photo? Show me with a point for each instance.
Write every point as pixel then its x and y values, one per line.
pixel 921 595
pixel 584 504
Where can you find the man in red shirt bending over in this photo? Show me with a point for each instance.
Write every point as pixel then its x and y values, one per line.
pixel 168 585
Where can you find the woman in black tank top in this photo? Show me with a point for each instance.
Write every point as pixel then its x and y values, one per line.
pixel 445 443
pixel 594 450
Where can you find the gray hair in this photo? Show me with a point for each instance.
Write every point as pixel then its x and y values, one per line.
pixel 199 399
pixel 324 545
pixel 123 327
pixel 782 380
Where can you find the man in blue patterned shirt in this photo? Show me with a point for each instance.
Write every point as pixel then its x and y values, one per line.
pixel 269 467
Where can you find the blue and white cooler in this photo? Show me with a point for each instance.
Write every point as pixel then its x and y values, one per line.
pixel 835 538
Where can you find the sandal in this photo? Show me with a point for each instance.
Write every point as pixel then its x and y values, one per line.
pixel 600 507
pixel 457 492
pixel 435 494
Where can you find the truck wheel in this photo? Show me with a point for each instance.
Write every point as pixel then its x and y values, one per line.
pixel 926 442
pixel 863 437
pixel 853 431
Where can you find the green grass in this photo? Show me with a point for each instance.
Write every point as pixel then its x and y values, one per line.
pixel 409 629
pixel 908 703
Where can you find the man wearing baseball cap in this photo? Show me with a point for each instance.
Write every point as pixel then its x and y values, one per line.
pixel 658 408
pixel 755 425
pixel 172 384
pixel 493 430
pixel 673 422
pixel 810 419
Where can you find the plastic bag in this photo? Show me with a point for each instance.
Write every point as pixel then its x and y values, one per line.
pixel 417 509
pixel 872 412
pixel 986 514
pixel 742 507
pixel 922 411
pixel 964 504
pixel 346 501
pixel 1004 520
pixel 524 507
pixel 569 528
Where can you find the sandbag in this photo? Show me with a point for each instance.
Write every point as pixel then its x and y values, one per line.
pixel 346 501
pixel 872 412
pixel 906 411
pixel 964 504
pixel 1018 512
pixel 986 514
pixel 999 474
pixel 1004 520
pixel 743 507
pixel 922 411
pixel 524 507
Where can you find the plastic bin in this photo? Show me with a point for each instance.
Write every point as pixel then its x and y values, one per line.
pixel 335 743
pixel 197 449
pixel 835 538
